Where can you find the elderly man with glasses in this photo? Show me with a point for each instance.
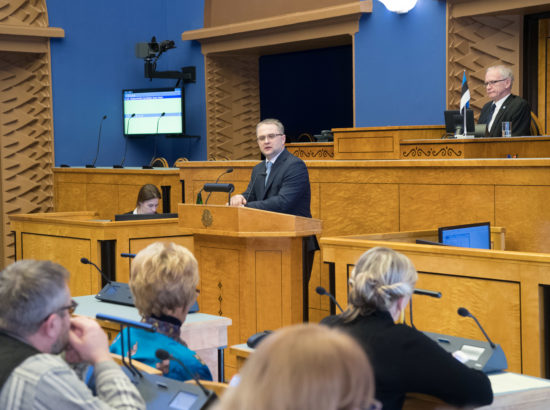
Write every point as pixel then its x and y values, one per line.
pixel 504 106
pixel 35 327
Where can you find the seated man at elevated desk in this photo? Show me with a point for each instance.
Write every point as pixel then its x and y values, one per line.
pixel 504 105
pixel 280 183
pixel 35 326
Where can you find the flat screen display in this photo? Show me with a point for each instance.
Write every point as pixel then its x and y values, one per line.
pixel 454 119
pixel 143 217
pixel 476 235
pixel 153 111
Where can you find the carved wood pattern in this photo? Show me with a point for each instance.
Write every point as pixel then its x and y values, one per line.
pixel 26 131
pixel 476 43
pixel 233 106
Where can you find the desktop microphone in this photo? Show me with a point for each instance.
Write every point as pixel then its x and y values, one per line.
pixel 121 165
pixel 227 171
pixel 430 293
pixel 92 165
pixel 323 292
pixel 86 261
pixel 465 313
pixel 155 143
pixel 162 354
pixel 263 174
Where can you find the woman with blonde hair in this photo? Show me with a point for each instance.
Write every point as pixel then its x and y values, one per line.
pixel 304 367
pixel 404 359
pixel 164 281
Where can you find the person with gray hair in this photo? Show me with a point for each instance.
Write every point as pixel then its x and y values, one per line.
pixel 35 327
pixel 404 359
pixel 504 106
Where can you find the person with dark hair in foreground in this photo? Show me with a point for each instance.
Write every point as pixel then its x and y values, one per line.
pixel 404 359
pixel 35 327
pixel 305 367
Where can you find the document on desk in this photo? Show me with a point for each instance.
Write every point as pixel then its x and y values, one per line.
pixel 510 382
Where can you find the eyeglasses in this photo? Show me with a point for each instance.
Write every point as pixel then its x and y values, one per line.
pixel 270 137
pixel 71 308
pixel 488 83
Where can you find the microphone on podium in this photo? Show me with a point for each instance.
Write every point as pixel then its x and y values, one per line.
pixel 227 171
pixel 466 313
pixel 92 165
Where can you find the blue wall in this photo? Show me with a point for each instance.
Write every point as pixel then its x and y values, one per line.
pixel 399 72
pixel 95 61
pixel 400 66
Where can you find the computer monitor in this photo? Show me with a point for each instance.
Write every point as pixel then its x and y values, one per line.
pixel 477 235
pixel 153 111
pixel 143 217
pixel 455 120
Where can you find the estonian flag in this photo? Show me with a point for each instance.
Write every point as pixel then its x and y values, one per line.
pixel 465 99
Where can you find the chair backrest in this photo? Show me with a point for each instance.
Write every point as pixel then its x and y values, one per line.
pixel 536 127
pixel 138 365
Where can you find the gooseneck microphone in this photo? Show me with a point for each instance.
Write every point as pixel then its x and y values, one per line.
pixel 465 313
pixel 323 292
pixel 121 165
pixel 155 140
pixel 263 174
pixel 227 171
pixel 86 261
pixel 162 354
pixel 92 165
pixel 421 292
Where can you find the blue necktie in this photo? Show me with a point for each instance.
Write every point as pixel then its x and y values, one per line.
pixel 491 112
pixel 268 166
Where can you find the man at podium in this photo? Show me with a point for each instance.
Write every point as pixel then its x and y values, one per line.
pixel 280 183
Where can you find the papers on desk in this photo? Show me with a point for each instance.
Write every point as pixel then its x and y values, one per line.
pixel 510 382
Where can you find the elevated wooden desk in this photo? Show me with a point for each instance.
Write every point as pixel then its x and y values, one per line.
pixel 515 147
pixel 203 333
pixel 65 237
pixel 505 290
pixel 250 266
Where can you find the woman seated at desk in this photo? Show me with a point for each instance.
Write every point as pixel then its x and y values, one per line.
pixel 304 367
pixel 163 282
pixel 147 200
pixel 404 359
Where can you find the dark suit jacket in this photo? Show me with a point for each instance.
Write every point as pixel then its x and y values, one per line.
pixel 405 360
pixel 514 109
pixel 287 190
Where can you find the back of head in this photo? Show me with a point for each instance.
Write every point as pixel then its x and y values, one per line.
pixel 164 276
pixel 147 192
pixel 28 290
pixel 305 366
pixel 380 277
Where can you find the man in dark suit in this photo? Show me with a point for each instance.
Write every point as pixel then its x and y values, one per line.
pixel 504 105
pixel 281 184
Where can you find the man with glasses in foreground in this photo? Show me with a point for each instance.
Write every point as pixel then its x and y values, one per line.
pixel 504 106
pixel 35 327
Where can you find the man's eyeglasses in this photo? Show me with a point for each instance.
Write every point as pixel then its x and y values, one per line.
pixel 71 308
pixel 488 83
pixel 270 137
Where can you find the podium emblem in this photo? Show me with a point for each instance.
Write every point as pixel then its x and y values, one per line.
pixel 207 218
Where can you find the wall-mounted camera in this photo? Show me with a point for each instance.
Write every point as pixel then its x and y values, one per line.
pixel 152 51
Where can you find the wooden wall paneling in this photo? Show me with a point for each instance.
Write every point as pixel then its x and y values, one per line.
pixel 233 106
pixel 431 206
pixel 523 210
pixel 84 280
pixel 476 43
pixel 27 143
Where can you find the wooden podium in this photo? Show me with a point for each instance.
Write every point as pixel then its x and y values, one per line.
pixel 250 265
